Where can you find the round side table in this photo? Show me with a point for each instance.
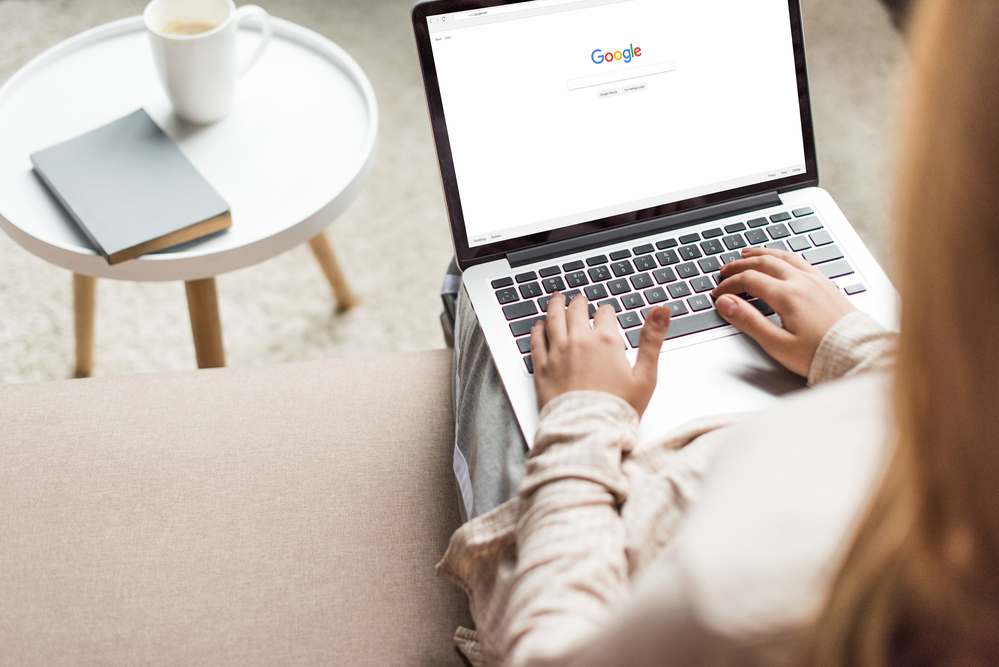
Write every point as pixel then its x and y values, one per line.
pixel 293 154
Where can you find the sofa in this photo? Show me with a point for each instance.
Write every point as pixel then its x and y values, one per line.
pixel 285 514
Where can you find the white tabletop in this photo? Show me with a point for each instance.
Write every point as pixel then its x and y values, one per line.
pixel 292 155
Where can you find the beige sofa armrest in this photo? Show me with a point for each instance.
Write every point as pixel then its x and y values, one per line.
pixel 287 514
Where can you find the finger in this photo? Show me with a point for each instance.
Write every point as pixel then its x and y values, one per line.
pixel 577 316
pixel 539 345
pixel 791 258
pixel 555 322
pixel 605 319
pixel 752 282
pixel 650 343
pixel 768 264
pixel 747 319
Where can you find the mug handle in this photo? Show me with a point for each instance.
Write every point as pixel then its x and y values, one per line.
pixel 249 11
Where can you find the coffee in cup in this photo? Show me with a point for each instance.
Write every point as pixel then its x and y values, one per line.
pixel 194 47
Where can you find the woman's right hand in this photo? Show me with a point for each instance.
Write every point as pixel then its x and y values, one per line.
pixel 807 302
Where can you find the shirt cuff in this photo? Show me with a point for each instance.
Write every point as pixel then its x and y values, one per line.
pixel 854 345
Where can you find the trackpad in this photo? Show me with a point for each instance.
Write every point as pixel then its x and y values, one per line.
pixel 730 374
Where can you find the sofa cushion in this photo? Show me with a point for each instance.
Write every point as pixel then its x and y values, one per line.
pixel 281 514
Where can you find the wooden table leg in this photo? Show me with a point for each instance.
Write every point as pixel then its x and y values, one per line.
pixel 202 302
pixel 84 304
pixel 323 250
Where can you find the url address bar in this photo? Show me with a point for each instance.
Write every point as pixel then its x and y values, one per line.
pixel 506 9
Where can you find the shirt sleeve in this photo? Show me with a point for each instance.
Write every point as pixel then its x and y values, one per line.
pixel 855 344
pixel 571 567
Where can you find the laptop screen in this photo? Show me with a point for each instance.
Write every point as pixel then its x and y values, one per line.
pixel 560 113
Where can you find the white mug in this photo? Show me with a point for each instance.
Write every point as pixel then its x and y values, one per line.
pixel 194 46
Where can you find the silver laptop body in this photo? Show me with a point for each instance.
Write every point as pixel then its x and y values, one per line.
pixel 626 149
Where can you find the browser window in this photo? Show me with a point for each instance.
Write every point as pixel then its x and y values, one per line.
pixel 564 111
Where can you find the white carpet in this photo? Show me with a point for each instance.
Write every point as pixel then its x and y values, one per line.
pixel 393 242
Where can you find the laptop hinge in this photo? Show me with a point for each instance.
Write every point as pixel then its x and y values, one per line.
pixel 644 228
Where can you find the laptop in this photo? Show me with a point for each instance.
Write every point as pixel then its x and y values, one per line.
pixel 626 150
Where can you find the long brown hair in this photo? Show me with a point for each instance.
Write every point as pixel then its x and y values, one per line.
pixel 920 585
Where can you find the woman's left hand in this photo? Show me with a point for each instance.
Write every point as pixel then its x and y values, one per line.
pixel 570 356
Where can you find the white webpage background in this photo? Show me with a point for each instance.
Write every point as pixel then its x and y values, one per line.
pixel 527 150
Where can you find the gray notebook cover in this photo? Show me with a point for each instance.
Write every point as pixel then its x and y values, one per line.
pixel 127 184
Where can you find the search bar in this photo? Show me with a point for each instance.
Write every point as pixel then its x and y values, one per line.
pixel 620 75
pixel 506 9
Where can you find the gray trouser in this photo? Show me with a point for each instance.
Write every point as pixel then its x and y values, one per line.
pixel 489 448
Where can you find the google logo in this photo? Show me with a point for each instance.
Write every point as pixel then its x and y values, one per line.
pixel 598 57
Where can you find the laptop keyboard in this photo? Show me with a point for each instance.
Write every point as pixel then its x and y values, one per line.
pixel 676 272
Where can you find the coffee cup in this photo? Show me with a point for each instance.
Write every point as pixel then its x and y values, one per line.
pixel 194 48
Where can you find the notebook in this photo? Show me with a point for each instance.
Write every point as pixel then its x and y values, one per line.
pixel 626 150
pixel 130 189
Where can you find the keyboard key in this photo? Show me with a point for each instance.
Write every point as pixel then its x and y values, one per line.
pixel 622 268
pixel 524 277
pixel 798 243
pixel 610 302
pixel 663 276
pixel 501 282
pixel 836 269
pixel 777 245
pixel 755 236
pixel 855 289
pixel 507 295
pixel 619 286
pixel 666 243
pixel 701 284
pixel 523 327
pixel 780 217
pixel 758 222
pixel 620 254
pixel 799 212
pixel 572 266
pixel 709 319
pixel 599 273
pixel 646 263
pixel 806 225
pixel 550 271
pixel 686 270
pixel 820 255
pixel 712 247
pixel 530 290
pixel 689 252
pixel 530 363
pixel 734 242
pixel 543 301
pixel 655 295
pixel 821 238
pixel 599 259
pixel 689 238
pixel 592 310
pixel 524 344
pixel 712 233
pixel 641 281
pixel 629 320
pixel 594 292
pixel 717 278
pixel 761 306
pixel 633 300
pixel 679 289
pixel 518 310
pixel 729 257
pixel 778 232
pixel 735 227
pixel 576 278
pixel 643 249
pixel 709 264
pixel 667 257
pixel 552 284
pixel 677 308
pixel 699 302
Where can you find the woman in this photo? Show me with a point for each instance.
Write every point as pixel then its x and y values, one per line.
pixel 831 530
